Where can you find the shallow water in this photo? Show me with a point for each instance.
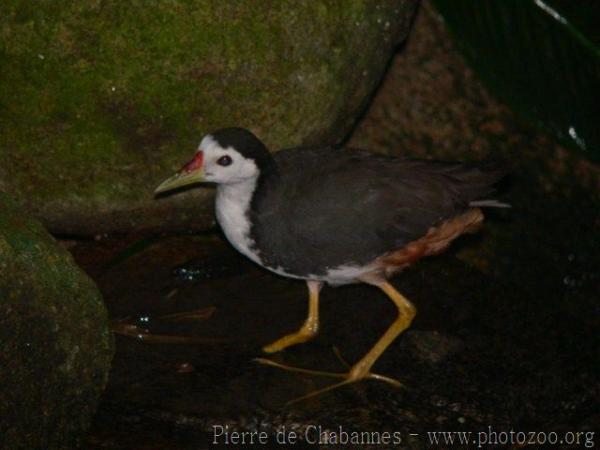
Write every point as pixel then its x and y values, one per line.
pixel 505 336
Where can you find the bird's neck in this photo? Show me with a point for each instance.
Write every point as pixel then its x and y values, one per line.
pixel 236 196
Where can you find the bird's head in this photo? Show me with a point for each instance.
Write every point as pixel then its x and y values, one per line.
pixel 227 156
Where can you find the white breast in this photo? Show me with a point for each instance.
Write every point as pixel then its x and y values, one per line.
pixel 232 208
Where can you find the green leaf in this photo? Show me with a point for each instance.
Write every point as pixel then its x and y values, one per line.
pixel 542 57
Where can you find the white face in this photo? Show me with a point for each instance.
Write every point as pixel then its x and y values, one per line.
pixel 225 165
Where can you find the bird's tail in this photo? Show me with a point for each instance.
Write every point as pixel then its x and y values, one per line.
pixel 488 204
pixel 476 183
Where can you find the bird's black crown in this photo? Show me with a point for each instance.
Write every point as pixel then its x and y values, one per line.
pixel 246 143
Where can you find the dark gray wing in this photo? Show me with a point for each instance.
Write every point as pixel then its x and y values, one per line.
pixel 334 207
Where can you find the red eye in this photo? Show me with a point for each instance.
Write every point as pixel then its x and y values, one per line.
pixel 224 160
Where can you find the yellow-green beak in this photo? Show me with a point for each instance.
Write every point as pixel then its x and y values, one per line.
pixel 191 173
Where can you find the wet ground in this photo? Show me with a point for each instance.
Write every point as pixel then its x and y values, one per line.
pixel 508 341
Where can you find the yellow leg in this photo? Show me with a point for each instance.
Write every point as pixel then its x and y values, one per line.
pixel 310 327
pixel 406 314
pixel 362 369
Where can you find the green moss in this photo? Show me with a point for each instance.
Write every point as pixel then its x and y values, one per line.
pixel 101 100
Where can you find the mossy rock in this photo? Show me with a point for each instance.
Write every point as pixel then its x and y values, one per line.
pixel 56 345
pixel 101 100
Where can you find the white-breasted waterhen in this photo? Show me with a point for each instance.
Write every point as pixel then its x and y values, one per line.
pixel 337 216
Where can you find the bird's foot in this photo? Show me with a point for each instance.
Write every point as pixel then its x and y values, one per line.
pixel 356 373
pixel 287 341
pixel 305 333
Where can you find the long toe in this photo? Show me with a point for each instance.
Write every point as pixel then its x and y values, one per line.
pixel 320 373
pixel 349 378
pixel 359 372
pixel 356 373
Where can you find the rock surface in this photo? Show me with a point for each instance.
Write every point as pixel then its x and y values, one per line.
pixel 431 105
pixel 102 100
pixel 55 347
